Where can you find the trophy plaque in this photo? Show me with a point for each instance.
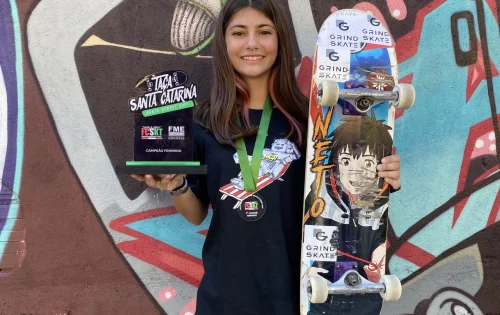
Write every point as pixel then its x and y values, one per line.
pixel 163 126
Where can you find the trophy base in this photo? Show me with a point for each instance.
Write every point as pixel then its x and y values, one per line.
pixel 161 167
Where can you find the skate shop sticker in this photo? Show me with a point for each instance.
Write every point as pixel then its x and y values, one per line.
pixel 362 29
pixel 353 32
pixel 320 243
pixel 333 64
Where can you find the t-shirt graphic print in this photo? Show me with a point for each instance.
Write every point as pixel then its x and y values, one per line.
pixel 275 161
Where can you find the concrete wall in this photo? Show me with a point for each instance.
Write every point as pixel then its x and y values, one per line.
pixel 98 243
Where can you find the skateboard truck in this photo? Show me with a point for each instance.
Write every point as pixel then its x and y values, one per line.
pixel 347 280
pixel 402 96
pixel 341 268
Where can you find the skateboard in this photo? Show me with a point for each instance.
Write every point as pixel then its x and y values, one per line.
pixel 353 99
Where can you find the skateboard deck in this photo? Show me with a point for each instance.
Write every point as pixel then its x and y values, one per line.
pixel 353 98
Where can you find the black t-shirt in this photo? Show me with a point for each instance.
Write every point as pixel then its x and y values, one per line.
pixel 251 267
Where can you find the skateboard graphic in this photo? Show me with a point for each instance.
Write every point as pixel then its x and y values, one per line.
pixel 353 99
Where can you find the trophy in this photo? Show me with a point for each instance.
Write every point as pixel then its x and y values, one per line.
pixel 163 131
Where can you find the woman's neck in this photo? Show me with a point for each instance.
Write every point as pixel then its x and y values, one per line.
pixel 259 90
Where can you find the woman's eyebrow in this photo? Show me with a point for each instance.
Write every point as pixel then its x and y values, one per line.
pixel 258 26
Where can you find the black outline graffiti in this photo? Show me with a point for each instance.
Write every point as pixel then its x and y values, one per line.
pixel 453 301
pixel 487 68
pixel 464 58
pixel 417 227
pixel 498 12
pixel 397 242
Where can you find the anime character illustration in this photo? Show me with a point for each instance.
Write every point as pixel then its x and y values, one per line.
pixel 351 187
pixel 353 219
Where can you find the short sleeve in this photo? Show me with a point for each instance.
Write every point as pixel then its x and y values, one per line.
pixel 392 190
pixel 198 183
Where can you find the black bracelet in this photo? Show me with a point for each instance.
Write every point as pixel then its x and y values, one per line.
pixel 181 189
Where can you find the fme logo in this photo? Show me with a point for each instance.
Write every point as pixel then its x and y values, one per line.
pixel 176 133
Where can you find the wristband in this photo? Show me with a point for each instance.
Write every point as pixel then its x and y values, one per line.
pixel 181 189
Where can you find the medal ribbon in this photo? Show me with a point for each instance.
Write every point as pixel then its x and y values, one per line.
pixel 250 174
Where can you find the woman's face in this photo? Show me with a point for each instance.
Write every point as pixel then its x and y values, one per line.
pixel 252 44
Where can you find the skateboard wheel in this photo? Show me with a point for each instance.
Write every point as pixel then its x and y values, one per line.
pixel 328 93
pixel 392 288
pixel 317 289
pixel 406 97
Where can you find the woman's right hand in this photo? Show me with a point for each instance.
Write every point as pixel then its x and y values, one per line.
pixel 165 182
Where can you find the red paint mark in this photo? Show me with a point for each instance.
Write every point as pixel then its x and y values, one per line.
pixel 189 309
pixel 476 131
pixel 414 254
pixel 374 46
pixel 334 9
pixel 399 113
pixel 407 79
pixel 167 293
pixel 304 76
pixel 397 9
pixel 477 73
pixel 486 174
pixel 494 210
pixel 493 6
pixel 485 145
pixel 407 46
pixel 155 252
pixel 165 257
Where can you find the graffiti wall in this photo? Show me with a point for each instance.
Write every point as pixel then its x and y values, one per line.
pixel 12 229
pixel 67 70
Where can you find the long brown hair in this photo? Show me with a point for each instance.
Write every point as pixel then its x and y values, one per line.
pixel 230 94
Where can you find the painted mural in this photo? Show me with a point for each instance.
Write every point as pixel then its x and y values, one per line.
pixel 443 238
pixel 12 227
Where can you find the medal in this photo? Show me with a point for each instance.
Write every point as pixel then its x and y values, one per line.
pixel 253 207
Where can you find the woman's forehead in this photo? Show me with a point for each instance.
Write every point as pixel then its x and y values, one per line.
pixel 249 17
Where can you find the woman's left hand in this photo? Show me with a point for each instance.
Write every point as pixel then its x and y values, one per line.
pixel 389 170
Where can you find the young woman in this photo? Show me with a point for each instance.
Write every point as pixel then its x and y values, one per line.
pixel 251 136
